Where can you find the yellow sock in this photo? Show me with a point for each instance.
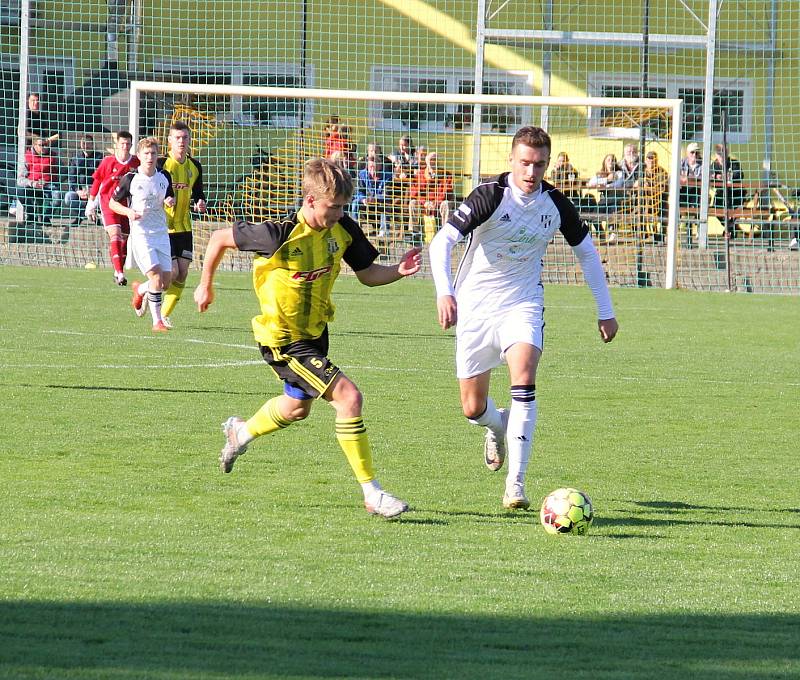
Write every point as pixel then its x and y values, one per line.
pixel 267 419
pixel 172 296
pixel 352 436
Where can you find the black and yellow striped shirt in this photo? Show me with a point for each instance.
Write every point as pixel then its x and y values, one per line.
pixel 187 182
pixel 294 270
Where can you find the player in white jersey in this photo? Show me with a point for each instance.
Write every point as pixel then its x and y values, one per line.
pixel 141 196
pixel 497 299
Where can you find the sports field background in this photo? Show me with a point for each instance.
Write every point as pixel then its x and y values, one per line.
pixel 125 553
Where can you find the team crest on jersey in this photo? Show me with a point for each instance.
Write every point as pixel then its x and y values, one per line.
pixel 546 220
pixel 333 246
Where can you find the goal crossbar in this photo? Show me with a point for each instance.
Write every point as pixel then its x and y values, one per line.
pixel 674 106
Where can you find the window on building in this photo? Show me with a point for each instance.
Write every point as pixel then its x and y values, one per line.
pixel 734 97
pixel 256 111
pixel 443 117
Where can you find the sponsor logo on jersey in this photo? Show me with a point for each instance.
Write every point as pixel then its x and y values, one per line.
pixel 505 218
pixel 296 252
pixel 312 275
pixel 179 185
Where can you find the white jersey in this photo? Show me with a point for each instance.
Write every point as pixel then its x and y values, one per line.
pixel 508 233
pixel 145 194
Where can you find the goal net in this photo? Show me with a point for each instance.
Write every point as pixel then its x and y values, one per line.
pixel 253 142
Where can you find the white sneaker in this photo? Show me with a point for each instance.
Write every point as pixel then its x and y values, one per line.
pixel 793 244
pixel 515 498
pixel 385 505
pixel 494 448
pixel 119 279
pixel 232 449
pixel 166 322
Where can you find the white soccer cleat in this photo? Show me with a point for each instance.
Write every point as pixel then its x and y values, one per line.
pixel 165 320
pixel 385 505
pixel 119 279
pixel 232 449
pixel 515 498
pixel 494 447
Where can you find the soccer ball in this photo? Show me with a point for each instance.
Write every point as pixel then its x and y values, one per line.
pixel 567 511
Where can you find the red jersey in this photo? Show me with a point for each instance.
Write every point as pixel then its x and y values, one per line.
pixel 104 184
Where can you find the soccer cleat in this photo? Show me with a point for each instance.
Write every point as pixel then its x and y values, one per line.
pixel 516 500
pixel 160 327
pixel 232 449
pixel 138 301
pixel 119 279
pixel 494 449
pixel 167 322
pixel 386 506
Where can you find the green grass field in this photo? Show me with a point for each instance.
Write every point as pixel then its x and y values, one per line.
pixel 125 553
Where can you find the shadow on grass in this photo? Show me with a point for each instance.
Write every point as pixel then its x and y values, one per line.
pixel 677 513
pixel 119 388
pixel 185 639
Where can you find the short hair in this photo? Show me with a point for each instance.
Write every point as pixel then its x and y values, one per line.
pixel 146 143
pixel 36 139
pixel 86 138
pixel 532 136
pixel 123 134
pixel 322 178
pixel 180 125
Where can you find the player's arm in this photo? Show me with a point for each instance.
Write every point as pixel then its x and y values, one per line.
pixel 220 241
pixel 440 253
pixel 198 191
pixel 123 193
pixel 595 278
pixel 380 274
pixel 169 194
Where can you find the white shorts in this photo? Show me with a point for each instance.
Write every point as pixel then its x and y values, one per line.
pixel 481 343
pixel 150 251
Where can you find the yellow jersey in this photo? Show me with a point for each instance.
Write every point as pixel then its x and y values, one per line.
pixel 187 182
pixel 294 270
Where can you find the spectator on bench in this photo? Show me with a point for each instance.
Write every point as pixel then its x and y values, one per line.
pixel 691 174
pixel 38 189
pixel 79 179
pixel 430 194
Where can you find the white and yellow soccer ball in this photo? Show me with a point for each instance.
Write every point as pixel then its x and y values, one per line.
pixel 567 511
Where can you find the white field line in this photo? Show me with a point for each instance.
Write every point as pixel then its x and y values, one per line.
pixel 365 367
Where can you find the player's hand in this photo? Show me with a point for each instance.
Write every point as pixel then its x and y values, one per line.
pixel 203 296
pixel 448 311
pixel 200 206
pixel 91 211
pixel 410 262
pixel 169 201
pixel 608 329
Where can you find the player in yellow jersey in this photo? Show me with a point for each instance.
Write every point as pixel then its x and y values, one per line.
pixel 187 182
pixel 296 262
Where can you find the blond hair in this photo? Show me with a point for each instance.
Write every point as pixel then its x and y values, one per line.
pixel 322 178
pixel 146 143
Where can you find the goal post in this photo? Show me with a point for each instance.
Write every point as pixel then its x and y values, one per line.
pixel 470 133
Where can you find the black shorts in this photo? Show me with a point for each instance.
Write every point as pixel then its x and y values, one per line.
pixel 181 245
pixel 303 366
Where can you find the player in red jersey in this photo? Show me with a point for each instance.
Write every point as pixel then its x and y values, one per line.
pixel 105 180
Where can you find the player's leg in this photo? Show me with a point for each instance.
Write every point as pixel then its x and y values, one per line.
pixel 351 434
pixel 523 361
pixel 477 353
pixel 182 249
pixel 116 250
pixel 277 414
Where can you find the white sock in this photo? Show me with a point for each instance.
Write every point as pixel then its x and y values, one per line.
pixel 370 488
pixel 155 299
pixel 490 418
pixel 519 440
